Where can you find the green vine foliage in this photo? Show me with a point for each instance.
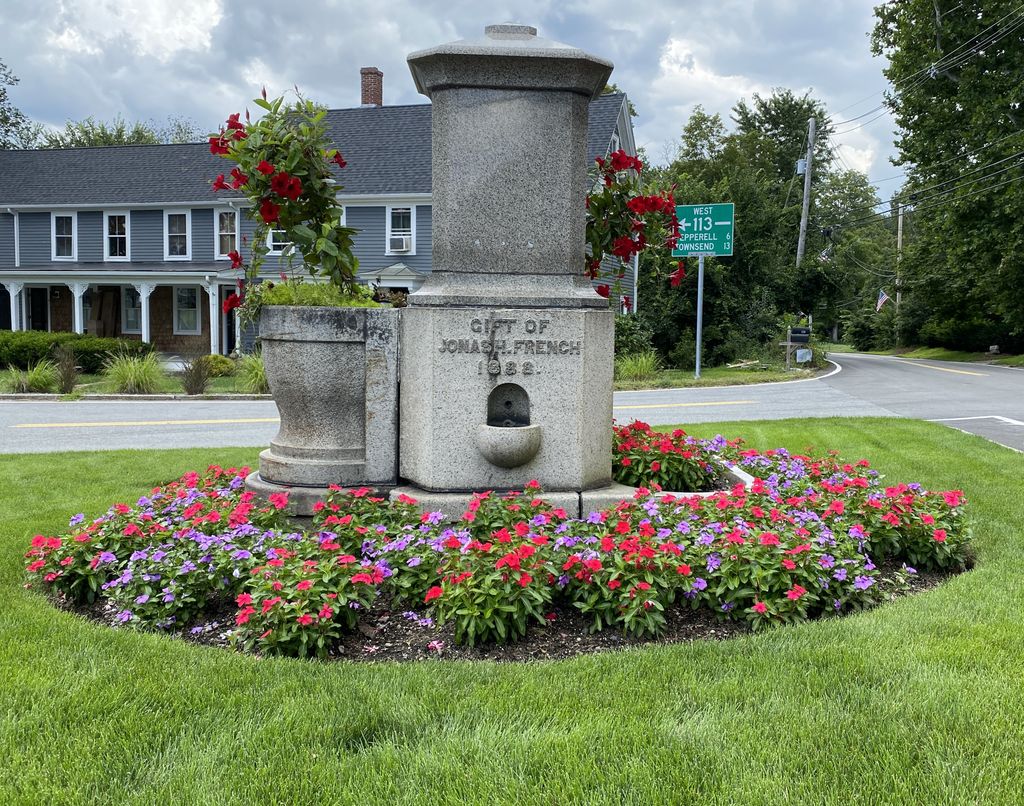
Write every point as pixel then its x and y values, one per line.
pixel 283 167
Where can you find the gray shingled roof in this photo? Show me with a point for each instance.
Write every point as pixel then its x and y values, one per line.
pixel 387 149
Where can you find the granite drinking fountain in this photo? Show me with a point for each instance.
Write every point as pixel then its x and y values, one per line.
pixel 506 350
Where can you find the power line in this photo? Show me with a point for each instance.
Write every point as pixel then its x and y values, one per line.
pixel 961 178
pixel 919 209
pixel 974 153
pixel 958 56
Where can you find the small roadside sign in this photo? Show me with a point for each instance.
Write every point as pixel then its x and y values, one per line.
pixel 704 230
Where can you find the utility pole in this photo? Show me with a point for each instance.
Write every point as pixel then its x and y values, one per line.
pixel 899 253
pixel 807 193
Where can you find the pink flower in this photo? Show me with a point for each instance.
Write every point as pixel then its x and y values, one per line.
pixel 795 592
pixel 278 500
pixel 939 535
pixel 304 585
pixel 760 607
pixel 305 619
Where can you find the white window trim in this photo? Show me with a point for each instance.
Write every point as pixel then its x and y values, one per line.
pixel 127 236
pixel 216 231
pixel 125 290
pixel 387 228
pixel 187 212
pixel 174 312
pixel 270 241
pixel 73 215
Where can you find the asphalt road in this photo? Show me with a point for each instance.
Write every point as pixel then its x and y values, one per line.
pixel 982 399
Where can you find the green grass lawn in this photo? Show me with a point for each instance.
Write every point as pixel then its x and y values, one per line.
pixel 713 376
pixel 943 354
pixel 917 702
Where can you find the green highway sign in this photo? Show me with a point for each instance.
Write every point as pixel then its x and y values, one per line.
pixel 704 229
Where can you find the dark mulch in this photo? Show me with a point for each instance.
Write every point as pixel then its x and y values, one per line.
pixel 390 633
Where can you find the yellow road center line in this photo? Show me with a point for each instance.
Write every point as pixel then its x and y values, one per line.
pixel 947 369
pixel 125 423
pixel 686 405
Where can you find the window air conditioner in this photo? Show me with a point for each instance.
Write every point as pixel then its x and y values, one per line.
pixel 400 243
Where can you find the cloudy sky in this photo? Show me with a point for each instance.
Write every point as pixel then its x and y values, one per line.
pixel 201 59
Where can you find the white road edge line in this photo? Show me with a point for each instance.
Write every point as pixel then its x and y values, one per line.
pixel 836 371
pixel 1008 420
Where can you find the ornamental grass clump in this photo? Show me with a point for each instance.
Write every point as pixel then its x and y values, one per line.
pixel 637 366
pixel 810 537
pixel 252 375
pixel 195 376
pixel 134 374
pixel 40 377
pixel 67 368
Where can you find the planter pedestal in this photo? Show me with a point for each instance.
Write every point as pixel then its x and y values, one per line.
pixel 333 373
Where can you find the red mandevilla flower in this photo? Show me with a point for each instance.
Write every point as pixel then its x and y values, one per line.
pixel 265 168
pixel 269 211
pixel 220 184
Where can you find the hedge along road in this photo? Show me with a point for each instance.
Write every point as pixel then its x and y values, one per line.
pixel 978 398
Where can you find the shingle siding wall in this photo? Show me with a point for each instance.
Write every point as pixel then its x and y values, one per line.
pixel 34 238
pixel 147 235
pixel 90 236
pixel 6 240
pixel 202 234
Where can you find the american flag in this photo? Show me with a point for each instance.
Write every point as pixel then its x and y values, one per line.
pixel 882 299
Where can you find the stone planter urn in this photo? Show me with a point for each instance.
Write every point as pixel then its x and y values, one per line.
pixel 333 373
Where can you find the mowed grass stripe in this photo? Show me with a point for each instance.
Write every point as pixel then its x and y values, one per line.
pixel 916 702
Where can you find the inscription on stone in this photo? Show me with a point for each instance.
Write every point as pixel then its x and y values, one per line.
pixel 495 337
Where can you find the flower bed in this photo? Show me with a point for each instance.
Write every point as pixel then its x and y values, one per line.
pixel 200 557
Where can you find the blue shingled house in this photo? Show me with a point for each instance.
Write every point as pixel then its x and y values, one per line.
pixel 131 241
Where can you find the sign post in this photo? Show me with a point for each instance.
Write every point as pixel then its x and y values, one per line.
pixel 704 229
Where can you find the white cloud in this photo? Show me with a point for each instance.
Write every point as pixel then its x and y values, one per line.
pixel 157 29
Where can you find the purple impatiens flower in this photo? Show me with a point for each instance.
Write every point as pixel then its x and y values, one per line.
pixel 862 583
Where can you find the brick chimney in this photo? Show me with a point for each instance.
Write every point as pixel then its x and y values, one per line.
pixel 373 86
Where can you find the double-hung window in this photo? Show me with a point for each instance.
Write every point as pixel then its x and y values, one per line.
pixel 276 242
pixel 227 233
pixel 401 231
pixel 64 245
pixel 187 319
pixel 117 240
pixel 177 235
pixel 131 310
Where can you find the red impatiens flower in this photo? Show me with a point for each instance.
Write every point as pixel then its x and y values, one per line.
pixel 243 599
pixel 265 168
pixel 220 184
pixel 278 500
pixel 304 585
pixel 269 211
pixel 788 564
pixel 769 539
pixel 939 535
pixel 760 607
pixel 614 583
pixel 525 579
pixel 305 619
pixel 795 592
pixel 433 593
pixel 326 612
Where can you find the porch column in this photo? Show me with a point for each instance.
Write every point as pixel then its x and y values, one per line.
pixel 78 309
pixel 212 292
pixel 144 289
pixel 14 291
